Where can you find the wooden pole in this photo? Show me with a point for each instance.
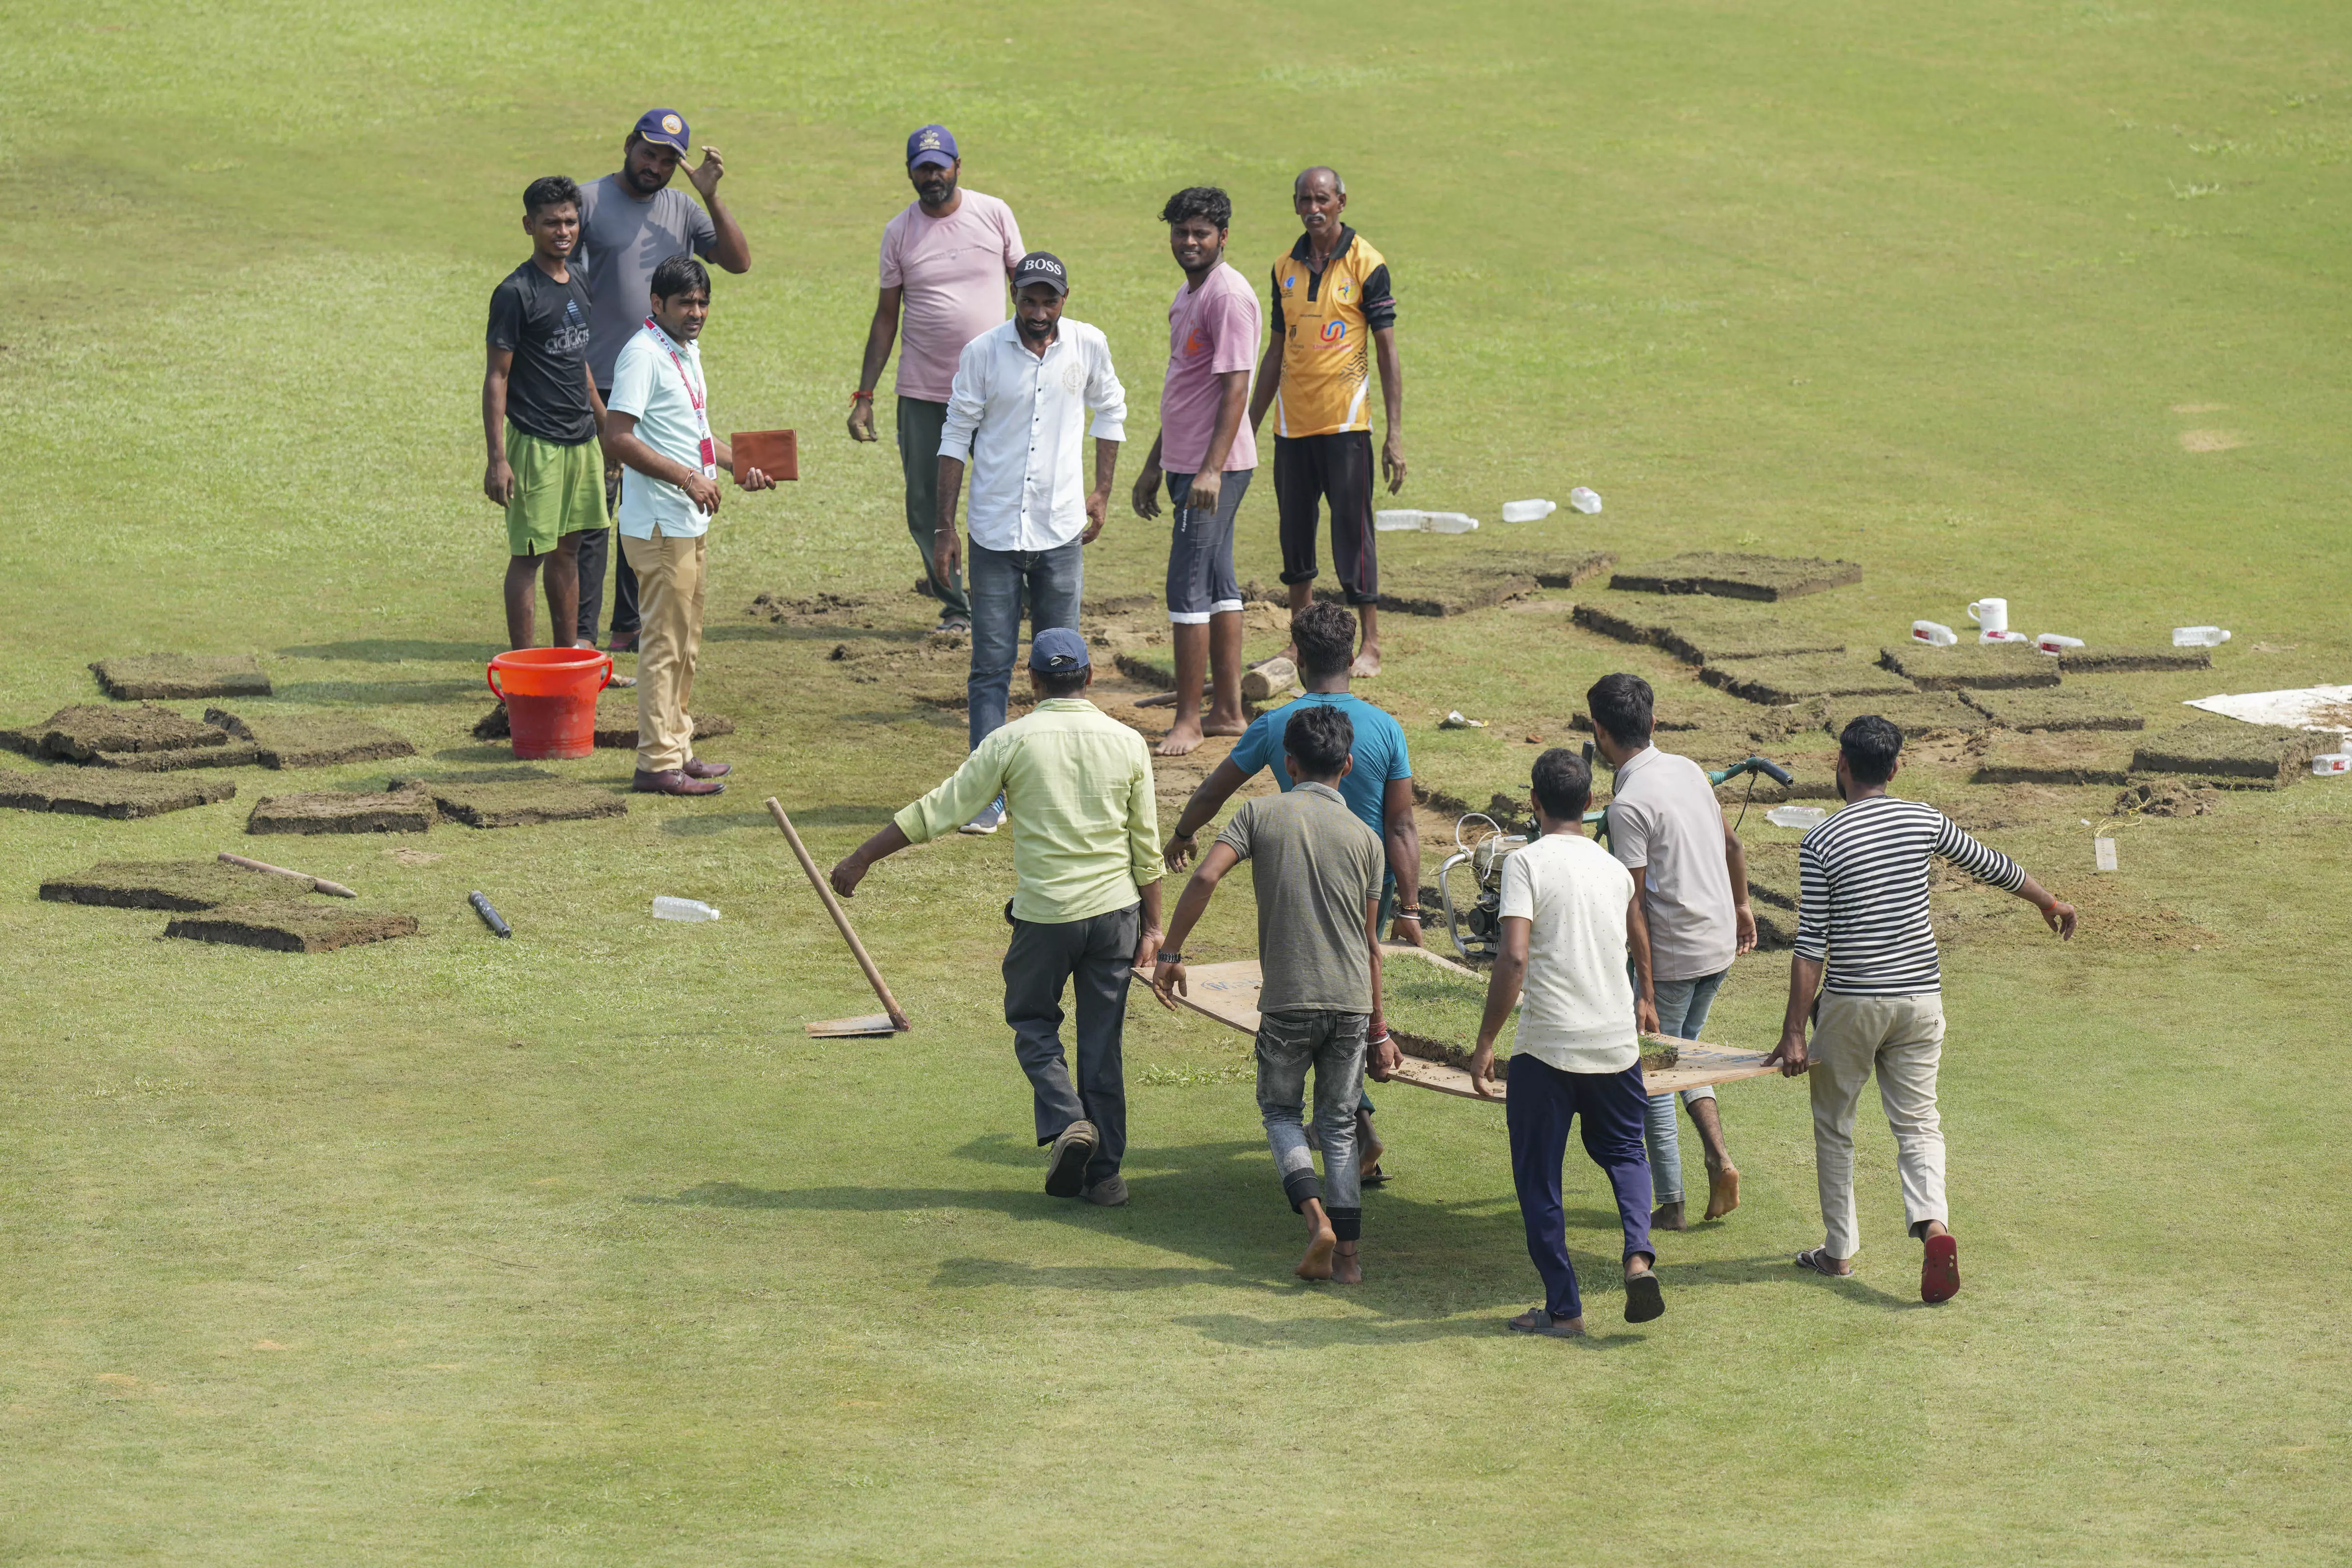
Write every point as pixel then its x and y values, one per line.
pixel 840 917
pixel 324 886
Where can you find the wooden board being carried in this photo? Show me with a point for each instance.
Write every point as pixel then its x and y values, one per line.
pixel 1228 993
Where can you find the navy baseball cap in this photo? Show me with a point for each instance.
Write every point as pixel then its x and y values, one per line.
pixel 1057 650
pixel 666 127
pixel 1040 267
pixel 931 144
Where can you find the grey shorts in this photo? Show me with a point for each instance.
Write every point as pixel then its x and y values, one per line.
pixel 1200 580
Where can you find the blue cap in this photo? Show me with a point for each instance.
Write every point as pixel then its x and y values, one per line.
pixel 931 144
pixel 666 127
pixel 1057 650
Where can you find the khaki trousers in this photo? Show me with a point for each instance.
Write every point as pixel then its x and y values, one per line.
pixel 1902 1038
pixel 670 639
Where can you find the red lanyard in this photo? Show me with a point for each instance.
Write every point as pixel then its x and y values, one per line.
pixel 694 394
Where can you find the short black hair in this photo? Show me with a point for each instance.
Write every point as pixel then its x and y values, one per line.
pixel 1870 744
pixel 1063 682
pixel 1325 636
pixel 1623 706
pixel 680 275
pixel 1198 201
pixel 550 191
pixel 1563 785
pixel 1321 738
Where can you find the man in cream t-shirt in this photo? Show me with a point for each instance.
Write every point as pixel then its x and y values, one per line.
pixel 1569 920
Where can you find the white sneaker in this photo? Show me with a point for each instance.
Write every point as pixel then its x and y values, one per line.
pixel 990 817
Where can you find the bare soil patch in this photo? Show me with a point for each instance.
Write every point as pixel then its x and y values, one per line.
pixel 1734 576
pixel 1979 668
pixel 180 676
pixel 312 740
pixel 291 928
pixel 2166 798
pixel 344 811
pixel 172 885
pixel 94 793
pixel 2212 440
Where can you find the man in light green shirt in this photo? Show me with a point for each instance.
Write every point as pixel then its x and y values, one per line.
pixel 1086 849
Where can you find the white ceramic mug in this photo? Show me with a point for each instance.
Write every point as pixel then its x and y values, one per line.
pixel 1990 615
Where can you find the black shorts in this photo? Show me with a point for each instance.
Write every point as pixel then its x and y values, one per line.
pixel 1310 470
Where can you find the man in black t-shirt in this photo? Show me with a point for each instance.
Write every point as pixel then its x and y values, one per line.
pixel 540 415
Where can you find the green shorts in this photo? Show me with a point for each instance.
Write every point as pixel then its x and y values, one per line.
pixel 558 490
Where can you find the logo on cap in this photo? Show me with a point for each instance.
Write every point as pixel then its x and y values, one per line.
pixel 930 139
pixel 673 124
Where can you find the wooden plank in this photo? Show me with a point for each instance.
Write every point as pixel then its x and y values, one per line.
pixel 851 1028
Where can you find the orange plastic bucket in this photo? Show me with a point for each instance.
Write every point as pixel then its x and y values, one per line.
pixel 550 698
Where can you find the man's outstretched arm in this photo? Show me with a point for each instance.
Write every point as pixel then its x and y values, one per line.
pixel 1207 801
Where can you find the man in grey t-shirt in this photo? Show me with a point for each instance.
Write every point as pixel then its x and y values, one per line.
pixel 630 223
pixel 1666 827
pixel 1317 876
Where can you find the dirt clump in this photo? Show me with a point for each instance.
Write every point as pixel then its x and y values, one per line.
pixel 178 676
pixel 94 793
pixel 344 811
pixel 312 740
pixel 775 608
pixel 2166 798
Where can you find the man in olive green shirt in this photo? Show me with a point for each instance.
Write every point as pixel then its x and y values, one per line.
pixel 1086 849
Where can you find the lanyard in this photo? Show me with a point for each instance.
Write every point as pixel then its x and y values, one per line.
pixel 694 394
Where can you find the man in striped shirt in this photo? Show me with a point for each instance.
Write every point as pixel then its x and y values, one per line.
pixel 1865 972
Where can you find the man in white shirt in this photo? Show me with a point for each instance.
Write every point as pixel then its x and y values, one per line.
pixel 1666 827
pixel 1571 918
pixel 658 426
pixel 1017 415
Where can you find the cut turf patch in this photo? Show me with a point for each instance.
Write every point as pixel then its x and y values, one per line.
pixel 312 740
pixel 2127 660
pixel 617 722
pixel 1978 669
pixel 291 927
pixel 509 801
pixel 1156 671
pixel 1442 588
pixel 1697 631
pixel 344 811
pixel 1733 575
pixel 1553 569
pixel 1780 681
pixel 2080 757
pixel 178 885
pixel 2063 709
pixel 2228 751
pixel 181 676
pixel 1919 715
pixel 236 754
pixel 82 731
pixel 80 791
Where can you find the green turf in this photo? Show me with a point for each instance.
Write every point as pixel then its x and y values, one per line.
pixel 572 1248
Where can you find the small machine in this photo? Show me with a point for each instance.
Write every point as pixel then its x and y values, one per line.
pixel 1476 927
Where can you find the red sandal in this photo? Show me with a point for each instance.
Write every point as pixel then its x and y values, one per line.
pixel 1939 1271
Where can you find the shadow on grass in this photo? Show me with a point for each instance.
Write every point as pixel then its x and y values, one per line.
pixel 375 691
pixel 480 751
pixel 395 650
pixel 707 826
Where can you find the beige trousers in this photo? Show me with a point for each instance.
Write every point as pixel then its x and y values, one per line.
pixel 1902 1038
pixel 670 639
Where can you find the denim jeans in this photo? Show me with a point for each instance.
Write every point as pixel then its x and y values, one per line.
pixel 1682 1012
pixel 1094 959
pixel 995 581
pixel 1289 1043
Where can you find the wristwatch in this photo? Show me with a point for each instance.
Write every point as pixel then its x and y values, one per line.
pixel 1166 956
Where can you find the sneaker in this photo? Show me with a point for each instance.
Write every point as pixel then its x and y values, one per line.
pixel 990 818
pixel 1066 1162
pixel 1539 1320
pixel 1110 1193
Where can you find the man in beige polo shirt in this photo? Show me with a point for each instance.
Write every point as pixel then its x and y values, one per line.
pixel 1666 827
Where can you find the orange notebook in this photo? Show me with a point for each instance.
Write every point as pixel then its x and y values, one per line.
pixel 775 453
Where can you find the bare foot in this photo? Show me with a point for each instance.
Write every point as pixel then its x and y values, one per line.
pixel 1183 736
pixel 1368 1147
pixel 1668 1216
pixel 1316 1264
pixel 1347 1267
pixel 1368 663
pixel 1722 1190
pixel 1225 724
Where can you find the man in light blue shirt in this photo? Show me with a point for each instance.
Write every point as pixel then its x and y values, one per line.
pixel 658 426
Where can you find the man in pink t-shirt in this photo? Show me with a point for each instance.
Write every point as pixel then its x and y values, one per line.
pixel 1207 451
pixel 947 260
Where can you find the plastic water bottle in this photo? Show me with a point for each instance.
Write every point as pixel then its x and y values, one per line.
pixel 1797 815
pixel 2055 642
pixel 1399 520
pixel 1528 510
pixel 1935 634
pixel 1991 638
pixel 668 909
pixel 1584 500
pixel 2327 764
pixel 1448 522
pixel 2198 636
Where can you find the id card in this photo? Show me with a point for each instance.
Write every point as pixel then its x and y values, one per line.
pixel 709 454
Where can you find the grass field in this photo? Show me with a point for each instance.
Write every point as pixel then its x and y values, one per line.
pixel 572 1249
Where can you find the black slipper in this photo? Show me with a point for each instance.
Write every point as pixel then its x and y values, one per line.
pixel 1643 1299
pixel 1375 1177
pixel 1065 1169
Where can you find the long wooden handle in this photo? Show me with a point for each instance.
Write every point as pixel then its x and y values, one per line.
pixel 335 888
pixel 840 917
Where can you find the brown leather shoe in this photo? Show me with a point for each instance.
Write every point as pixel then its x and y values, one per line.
pixel 673 781
pixel 696 768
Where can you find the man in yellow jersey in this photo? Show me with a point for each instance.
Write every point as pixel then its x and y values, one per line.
pixel 1332 311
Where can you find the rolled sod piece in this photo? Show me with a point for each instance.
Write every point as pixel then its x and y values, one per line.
pixel 291 927
pixel 617 722
pixel 1917 715
pixel 344 811
pixel 312 740
pixel 2060 709
pixel 2082 757
pixel 180 675
pixel 236 754
pixel 2127 660
pixel 2228 750
pixel 1979 668
pixel 517 803
pixel 90 793
pixel 82 731
pixel 1780 681
pixel 172 885
pixel 1733 575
